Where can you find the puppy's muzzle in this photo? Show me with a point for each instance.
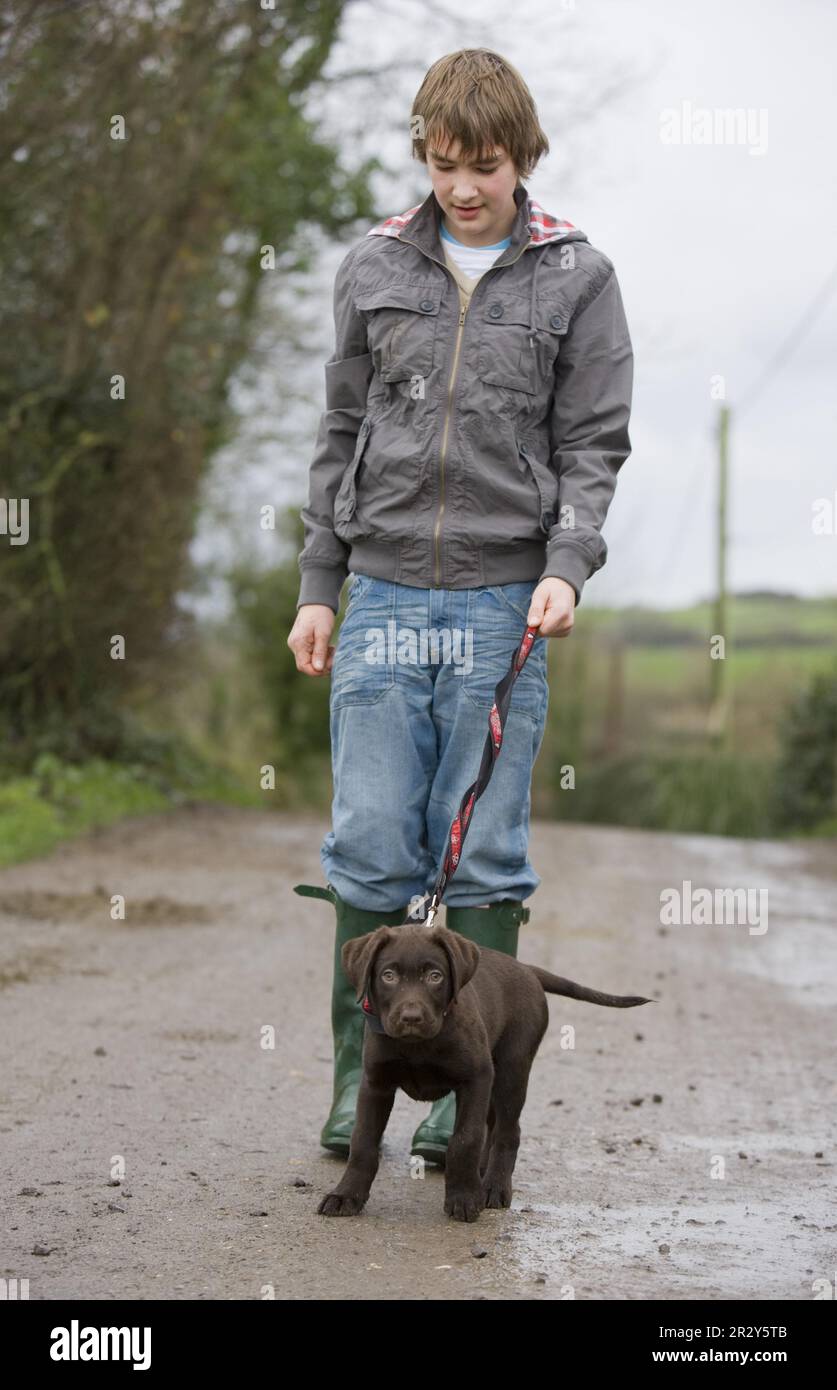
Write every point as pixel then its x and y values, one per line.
pixel 413 1021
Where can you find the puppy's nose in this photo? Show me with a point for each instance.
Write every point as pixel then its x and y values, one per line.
pixel 411 1015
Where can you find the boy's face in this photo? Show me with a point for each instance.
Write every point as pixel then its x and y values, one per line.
pixel 486 185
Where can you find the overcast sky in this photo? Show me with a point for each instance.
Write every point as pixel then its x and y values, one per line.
pixel 720 250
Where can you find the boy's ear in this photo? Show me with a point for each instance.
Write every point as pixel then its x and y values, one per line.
pixel 358 957
pixel 463 955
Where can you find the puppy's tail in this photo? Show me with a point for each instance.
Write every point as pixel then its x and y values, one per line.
pixel 556 984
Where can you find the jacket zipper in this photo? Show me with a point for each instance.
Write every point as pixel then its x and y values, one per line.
pixel 438 525
pixel 462 314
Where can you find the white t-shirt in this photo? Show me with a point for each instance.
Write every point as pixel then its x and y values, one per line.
pixel 473 261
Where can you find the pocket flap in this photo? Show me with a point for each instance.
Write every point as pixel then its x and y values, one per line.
pixel 396 295
pixel 551 315
pixel 506 309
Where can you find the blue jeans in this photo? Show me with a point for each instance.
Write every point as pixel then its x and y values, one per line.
pixel 407 734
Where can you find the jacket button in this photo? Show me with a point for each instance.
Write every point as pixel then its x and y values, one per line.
pixel 556 321
pixel 427 306
pixel 495 311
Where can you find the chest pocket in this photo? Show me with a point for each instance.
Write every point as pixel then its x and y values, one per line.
pixel 507 358
pixel 401 322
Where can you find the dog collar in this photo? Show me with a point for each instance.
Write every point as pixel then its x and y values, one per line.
pixel 371 1018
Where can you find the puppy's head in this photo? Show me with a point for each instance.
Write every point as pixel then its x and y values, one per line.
pixel 411 976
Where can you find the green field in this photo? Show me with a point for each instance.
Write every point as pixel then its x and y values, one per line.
pixel 630 705
pixel 629 713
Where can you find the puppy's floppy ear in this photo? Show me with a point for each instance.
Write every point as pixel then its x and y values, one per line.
pixel 463 955
pixel 358 957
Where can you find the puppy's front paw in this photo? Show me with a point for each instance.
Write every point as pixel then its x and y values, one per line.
pixel 463 1204
pixel 341 1204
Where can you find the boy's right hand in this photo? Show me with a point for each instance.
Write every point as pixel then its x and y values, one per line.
pixel 308 639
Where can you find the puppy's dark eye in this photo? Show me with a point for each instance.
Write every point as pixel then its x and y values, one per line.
pixel 388 976
pixel 435 977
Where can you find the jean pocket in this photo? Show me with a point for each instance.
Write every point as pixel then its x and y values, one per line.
pixel 364 661
pixel 516 597
pixel 360 584
pixel 498 619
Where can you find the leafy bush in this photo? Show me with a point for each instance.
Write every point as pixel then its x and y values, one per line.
pixel 806 778
pixel 298 705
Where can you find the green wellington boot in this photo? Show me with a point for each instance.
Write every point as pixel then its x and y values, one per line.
pixel 497 927
pixel 346 1017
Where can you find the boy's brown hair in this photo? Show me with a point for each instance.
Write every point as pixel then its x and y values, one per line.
pixel 479 98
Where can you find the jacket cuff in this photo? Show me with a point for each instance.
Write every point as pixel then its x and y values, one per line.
pixel 322 584
pixel 571 563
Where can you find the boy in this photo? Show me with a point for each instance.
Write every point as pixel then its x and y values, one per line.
pixel 477 415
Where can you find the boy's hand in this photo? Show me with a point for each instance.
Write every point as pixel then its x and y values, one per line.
pixel 552 610
pixel 308 639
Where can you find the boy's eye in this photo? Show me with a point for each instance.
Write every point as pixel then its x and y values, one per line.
pixel 446 168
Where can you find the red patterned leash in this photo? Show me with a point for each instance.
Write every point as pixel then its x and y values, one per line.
pixel 491 752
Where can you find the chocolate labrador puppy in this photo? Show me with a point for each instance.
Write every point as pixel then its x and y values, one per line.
pixel 444 1014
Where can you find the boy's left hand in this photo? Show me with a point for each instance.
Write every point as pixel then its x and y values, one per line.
pixel 552 609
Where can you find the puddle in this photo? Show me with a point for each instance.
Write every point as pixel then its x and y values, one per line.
pixel 715 1249
pixel 778 854
pixel 799 955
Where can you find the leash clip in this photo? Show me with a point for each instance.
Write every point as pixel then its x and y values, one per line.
pixel 432 909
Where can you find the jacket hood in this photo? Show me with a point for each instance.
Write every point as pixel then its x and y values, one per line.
pixel 542 225
pixel 533 226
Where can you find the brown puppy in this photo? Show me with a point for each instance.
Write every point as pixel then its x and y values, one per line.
pixel 446 1015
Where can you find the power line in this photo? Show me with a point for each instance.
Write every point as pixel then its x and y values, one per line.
pixel 689 496
pixel 790 343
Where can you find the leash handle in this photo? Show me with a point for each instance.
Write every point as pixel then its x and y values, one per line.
pixel 491 752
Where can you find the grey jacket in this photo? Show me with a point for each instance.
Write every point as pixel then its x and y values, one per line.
pixel 468 447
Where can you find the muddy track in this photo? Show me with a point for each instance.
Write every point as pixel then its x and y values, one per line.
pixel 682 1151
